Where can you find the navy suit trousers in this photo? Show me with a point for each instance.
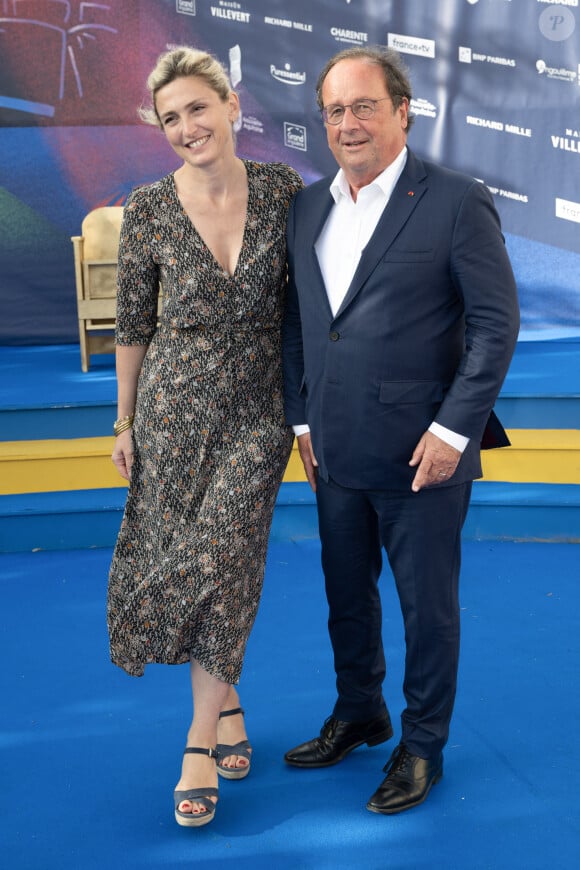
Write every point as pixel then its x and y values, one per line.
pixel 421 534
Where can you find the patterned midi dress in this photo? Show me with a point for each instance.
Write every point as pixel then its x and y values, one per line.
pixel 210 441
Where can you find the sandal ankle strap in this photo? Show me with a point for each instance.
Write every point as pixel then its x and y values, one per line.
pixel 199 750
pixel 231 712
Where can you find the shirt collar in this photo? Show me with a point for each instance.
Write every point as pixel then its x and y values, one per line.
pixel 385 182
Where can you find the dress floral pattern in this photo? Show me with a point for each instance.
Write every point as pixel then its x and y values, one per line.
pixel 211 445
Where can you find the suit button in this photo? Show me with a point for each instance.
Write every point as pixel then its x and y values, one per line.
pixel 334 336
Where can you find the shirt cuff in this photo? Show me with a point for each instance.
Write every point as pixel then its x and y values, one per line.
pixel 301 430
pixel 456 440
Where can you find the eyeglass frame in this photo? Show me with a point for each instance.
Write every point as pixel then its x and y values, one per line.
pixel 324 110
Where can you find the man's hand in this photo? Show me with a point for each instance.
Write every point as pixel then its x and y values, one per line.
pixel 308 458
pixel 123 453
pixel 436 461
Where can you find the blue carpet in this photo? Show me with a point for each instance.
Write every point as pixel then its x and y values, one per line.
pixel 89 756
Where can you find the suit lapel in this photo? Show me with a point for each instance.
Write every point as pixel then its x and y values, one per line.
pixel 408 191
pixel 318 213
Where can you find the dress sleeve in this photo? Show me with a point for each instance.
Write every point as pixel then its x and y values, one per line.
pixel 295 181
pixel 137 275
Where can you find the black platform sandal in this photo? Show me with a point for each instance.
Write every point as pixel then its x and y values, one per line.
pixel 196 795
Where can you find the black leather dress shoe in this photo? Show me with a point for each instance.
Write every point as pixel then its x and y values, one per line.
pixel 337 739
pixel 408 781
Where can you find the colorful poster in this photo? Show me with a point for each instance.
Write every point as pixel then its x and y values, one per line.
pixel 496 94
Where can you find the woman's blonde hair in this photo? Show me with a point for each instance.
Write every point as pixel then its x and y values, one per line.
pixel 177 63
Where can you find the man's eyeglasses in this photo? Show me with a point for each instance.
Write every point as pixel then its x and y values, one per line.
pixel 361 109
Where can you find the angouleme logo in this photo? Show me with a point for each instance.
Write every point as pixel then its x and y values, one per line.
pixel 561 73
pixel 286 75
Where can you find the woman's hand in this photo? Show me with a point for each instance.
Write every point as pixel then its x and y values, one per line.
pixel 123 453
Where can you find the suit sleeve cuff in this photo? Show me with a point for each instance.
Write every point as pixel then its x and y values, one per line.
pixel 456 440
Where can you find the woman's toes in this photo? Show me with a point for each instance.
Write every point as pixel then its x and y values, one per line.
pixel 194 808
pixel 235 761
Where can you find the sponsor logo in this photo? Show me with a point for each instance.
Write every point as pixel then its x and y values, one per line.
pixel 411 44
pixel 560 2
pixel 557 23
pixel 508 194
pixel 286 22
pixel 423 107
pixel 569 142
pixel 252 124
pixel 484 122
pixel 467 55
pixel 568 210
pixel 235 58
pixel 295 136
pixel 230 11
pixel 552 72
pixel 498 126
pixel 356 37
pixel 185 7
pixel 286 75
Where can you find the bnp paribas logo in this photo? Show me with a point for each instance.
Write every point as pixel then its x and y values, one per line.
pixel 186 7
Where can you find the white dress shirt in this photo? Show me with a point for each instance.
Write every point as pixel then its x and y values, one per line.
pixel 347 231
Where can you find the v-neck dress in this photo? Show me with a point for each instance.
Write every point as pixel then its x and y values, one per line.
pixel 210 441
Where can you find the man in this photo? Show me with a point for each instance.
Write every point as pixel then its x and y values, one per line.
pixel 401 322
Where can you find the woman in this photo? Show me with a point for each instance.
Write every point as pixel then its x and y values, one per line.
pixel 200 433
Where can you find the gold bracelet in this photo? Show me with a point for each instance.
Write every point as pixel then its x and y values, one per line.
pixel 123 424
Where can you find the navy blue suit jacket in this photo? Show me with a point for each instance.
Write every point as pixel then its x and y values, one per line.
pixel 426 331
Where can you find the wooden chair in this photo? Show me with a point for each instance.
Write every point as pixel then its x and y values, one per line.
pixel 95 255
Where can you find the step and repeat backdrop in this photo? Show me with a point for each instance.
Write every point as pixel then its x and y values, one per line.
pixel 496 94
